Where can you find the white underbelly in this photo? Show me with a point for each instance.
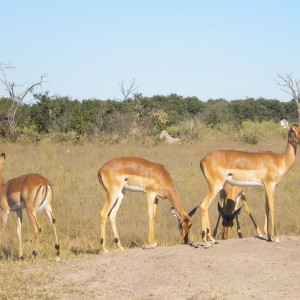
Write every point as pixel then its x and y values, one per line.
pixel 133 188
pixel 245 179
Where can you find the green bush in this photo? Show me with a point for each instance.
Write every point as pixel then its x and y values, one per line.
pixel 28 136
pixel 250 137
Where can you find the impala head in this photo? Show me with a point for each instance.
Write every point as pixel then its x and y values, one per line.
pixel 184 222
pixel 294 132
pixel 294 135
pixel 228 215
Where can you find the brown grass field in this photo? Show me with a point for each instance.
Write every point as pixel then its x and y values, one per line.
pixel 78 198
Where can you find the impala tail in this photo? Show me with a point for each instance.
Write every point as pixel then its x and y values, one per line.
pixel 101 180
pixel 42 195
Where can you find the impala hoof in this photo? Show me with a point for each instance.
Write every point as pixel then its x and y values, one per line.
pixel 150 246
pixel 213 241
pixel 120 247
pixel 207 245
pixel 118 244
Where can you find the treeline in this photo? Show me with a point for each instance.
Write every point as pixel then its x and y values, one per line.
pixel 66 118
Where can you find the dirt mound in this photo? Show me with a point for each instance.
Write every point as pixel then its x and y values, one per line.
pixel 233 269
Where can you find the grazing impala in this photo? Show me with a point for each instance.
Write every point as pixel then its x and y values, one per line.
pixel 139 175
pixel 33 192
pixel 247 169
pixel 230 197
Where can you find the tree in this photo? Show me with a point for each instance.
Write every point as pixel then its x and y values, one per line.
pixel 16 98
pixel 127 92
pixel 292 87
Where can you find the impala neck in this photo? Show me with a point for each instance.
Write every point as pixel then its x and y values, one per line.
pixel 176 202
pixel 1 178
pixel 290 154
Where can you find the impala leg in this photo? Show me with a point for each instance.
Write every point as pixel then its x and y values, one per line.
pixel 48 210
pixel 266 224
pixel 208 229
pixel 223 197
pixel 238 226
pixel 271 202
pixel 206 232
pixel 4 216
pixel 19 233
pixel 111 200
pixel 37 230
pixel 267 217
pixel 112 217
pixel 216 227
pixel 152 209
pixel 203 212
pixel 251 217
pixel 267 213
pixel 239 231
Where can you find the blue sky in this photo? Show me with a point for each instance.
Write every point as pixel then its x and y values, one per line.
pixel 230 49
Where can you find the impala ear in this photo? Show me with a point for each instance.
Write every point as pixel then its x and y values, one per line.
pixel 285 124
pixel 175 213
pixel 192 212
pixel 237 212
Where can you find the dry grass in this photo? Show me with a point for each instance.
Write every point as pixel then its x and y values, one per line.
pixel 78 196
pixel 21 281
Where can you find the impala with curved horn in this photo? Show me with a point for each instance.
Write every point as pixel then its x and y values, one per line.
pixel 240 168
pixel 230 197
pixel 139 175
pixel 33 192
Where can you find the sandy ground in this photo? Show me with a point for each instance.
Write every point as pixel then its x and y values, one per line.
pixel 246 268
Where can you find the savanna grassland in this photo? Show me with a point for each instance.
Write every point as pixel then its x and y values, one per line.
pixel 78 197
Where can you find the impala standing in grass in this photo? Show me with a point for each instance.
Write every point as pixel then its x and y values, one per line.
pixel 139 175
pixel 240 168
pixel 33 192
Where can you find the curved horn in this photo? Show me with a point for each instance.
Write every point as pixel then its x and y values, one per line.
pixel 237 212
pixel 220 209
pixel 192 212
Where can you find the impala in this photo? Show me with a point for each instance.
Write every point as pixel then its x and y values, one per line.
pixel 230 197
pixel 139 175
pixel 247 169
pixel 33 192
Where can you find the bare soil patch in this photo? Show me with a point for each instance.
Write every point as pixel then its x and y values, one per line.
pixel 247 268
